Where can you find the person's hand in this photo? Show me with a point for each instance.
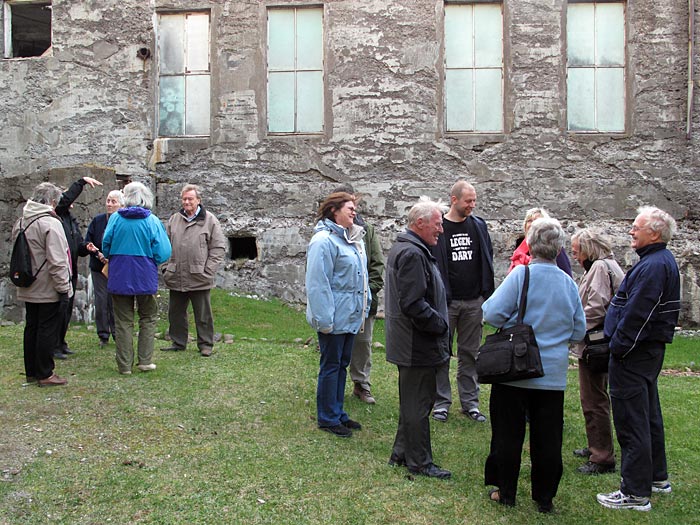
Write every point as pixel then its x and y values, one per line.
pixel 92 182
pixel 91 248
pixel 101 257
pixel 63 301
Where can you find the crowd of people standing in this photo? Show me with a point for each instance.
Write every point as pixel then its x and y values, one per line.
pixel 439 287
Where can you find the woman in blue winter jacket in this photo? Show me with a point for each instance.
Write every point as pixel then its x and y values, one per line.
pixel 338 301
pixel 135 243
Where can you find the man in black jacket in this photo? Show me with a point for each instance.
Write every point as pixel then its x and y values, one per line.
pixel 77 247
pixel 640 321
pixel 416 334
pixel 465 257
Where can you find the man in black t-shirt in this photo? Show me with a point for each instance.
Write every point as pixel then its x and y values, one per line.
pixel 465 258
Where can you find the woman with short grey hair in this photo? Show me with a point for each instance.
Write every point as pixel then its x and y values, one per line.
pixel 557 319
pixel 602 276
pixel 135 242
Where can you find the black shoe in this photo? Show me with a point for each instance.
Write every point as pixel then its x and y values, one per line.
pixel 596 468
pixel 103 342
pixel 338 430
pixel 67 351
pixel 172 349
pixel 545 508
pixel 396 461
pixel 352 425
pixel 59 355
pixel 582 453
pixel 432 471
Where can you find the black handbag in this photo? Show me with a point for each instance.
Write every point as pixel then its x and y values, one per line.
pixel 596 353
pixel 511 353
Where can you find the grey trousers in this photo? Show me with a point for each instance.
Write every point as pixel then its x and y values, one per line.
pixel 147 309
pixel 361 360
pixel 466 319
pixel 203 318
pixel 104 311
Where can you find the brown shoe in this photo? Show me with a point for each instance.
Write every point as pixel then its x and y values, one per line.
pixel 363 394
pixel 206 352
pixel 54 380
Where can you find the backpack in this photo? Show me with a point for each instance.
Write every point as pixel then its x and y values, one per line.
pixel 21 273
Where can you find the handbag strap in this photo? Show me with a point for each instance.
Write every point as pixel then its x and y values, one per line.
pixel 523 295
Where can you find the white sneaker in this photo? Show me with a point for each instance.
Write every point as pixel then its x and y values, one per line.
pixel 618 500
pixel 661 486
pixel 146 368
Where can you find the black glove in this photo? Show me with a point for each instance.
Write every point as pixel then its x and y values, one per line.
pixel 63 301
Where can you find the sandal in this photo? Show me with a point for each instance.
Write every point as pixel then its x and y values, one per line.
pixel 476 415
pixel 495 494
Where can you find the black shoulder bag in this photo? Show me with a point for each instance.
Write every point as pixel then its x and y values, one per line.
pixel 511 353
pixel 596 353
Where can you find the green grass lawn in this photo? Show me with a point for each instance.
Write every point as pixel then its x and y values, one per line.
pixel 233 439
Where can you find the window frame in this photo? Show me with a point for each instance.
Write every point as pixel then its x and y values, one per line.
pixel 625 89
pixel 323 87
pixel 8 50
pixel 503 68
pixel 185 74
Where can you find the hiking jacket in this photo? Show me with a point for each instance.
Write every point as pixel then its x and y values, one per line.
pixel 71 226
pixel 47 242
pixel 375 262
pixel 337 287
pixel 415 305
pixel 647 304
pixel 135 243
pixel 95 233
pixel 198 247
pixel 596 289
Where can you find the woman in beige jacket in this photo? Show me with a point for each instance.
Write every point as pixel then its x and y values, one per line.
pixel 46 299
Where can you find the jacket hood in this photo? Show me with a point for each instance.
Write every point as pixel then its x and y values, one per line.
pixel 134 212
pixel 354 234
pixel 32 209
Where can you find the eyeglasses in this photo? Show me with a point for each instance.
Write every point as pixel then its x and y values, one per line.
pixel 636 228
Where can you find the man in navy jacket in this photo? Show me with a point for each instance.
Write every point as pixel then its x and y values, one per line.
pixel 640 322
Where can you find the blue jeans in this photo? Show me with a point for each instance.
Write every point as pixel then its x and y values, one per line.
pixel 336 350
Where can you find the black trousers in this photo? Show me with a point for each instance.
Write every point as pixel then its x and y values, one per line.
pixel 43 322
pixel 417 393
pixel 67 314
pixel 508 409
pixel 638 420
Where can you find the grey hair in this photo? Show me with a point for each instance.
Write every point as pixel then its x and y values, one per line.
pixel 424 209
pixel 546 238
pixel 593 244
pixel 532 212
pixel 116 194
pixel 47 193
pixel 191 187
pixel 138 194
pixel 659 221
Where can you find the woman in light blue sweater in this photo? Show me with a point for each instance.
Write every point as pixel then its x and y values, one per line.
pixel 555 313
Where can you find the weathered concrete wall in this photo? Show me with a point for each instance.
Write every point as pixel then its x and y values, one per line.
pixel 93 102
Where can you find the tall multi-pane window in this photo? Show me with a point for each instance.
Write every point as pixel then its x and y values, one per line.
pixel 295 70
pixel 474 67
pixel 595 34
pixel 183 75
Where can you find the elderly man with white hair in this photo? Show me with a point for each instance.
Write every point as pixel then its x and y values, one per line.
pixel 104 311
pixel 640 322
